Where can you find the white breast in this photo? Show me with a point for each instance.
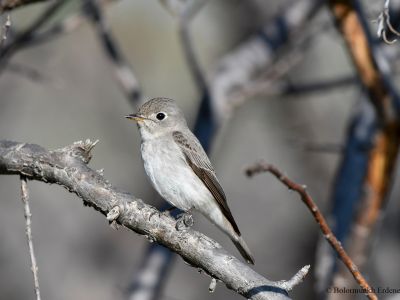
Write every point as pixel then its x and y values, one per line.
pixel 172 177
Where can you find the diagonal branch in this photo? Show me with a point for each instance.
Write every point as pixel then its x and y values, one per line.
pixel 68 167
pixel 6 5
pixel 122 70
pixel 328 234
pixel 24 37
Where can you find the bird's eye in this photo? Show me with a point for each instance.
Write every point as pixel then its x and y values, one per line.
pixel 160 116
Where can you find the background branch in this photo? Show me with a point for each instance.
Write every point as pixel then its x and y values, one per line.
pixel 381 154
pixel 23 38
pixel 319 218
pixel 27 211
pixel 6 5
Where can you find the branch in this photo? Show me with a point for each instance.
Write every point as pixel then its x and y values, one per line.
pixel 5 30
pixel 385 26
pixel 27 210
pixel 6 5
pixel 319 218
pixel 23 38
pixel 375 78
pixel 122 70
pixel 185 17
pixel 68 167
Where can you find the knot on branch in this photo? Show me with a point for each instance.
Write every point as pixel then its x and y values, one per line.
pixel 296 279
pixel 81 150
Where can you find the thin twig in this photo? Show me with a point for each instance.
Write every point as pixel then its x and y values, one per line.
pixel 32 74
pixel 34 267
pixel 6 29
pixel 64 26
pixel 6 5
pixel 25 36
pixel 385 25
pixel 261 167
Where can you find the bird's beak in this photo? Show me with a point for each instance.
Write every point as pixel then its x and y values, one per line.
pixel 135 117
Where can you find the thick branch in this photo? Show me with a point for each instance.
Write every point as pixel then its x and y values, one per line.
pixel 122 70
pixel 356 38
pixel 67 167
pixel 24 37
pixel 319 218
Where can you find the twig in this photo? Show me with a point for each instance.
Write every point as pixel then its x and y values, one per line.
pixel 68 167
pixel 309 146
pixel 27 210
pixel 298 277
pixel 156 259
pixel 66 25
pixel 374 73
pixel 348 188
pixel 24 37
pixel 384 24
pixel 213 285
pixel 319 218
pixel 6 29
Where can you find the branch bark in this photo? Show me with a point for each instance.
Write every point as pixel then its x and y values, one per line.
pixel 68 167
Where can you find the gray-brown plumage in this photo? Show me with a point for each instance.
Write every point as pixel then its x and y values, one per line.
pixel 200 164
pixel 179 168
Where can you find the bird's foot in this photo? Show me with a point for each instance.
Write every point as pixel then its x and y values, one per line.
pixel 169 211
pixel 185 220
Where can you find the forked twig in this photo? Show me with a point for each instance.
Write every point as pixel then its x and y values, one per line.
pixel 384 24
pixel 261 167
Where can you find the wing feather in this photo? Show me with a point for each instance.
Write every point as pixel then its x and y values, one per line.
pixel 197 159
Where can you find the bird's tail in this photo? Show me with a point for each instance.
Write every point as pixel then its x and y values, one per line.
pixel 243 249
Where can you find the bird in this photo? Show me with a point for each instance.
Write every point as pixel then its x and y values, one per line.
pixel 179 168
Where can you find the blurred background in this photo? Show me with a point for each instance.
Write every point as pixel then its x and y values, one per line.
pixel 261 63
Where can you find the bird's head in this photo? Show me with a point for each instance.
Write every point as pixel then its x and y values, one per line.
pixel 157 117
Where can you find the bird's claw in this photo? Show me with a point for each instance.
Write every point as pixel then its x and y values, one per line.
pixel 184 221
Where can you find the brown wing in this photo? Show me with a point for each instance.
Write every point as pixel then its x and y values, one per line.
pixel 197 159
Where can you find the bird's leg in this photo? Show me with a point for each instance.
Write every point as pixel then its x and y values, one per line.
pixel 165 212
pixel 185 220
pixel 169 211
